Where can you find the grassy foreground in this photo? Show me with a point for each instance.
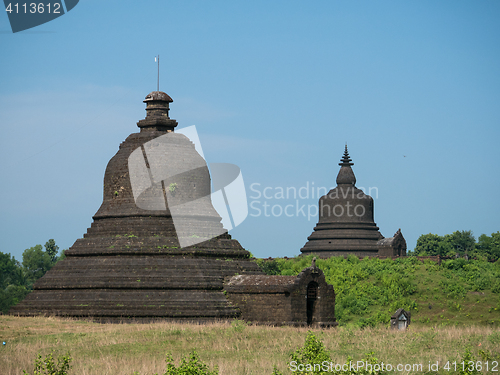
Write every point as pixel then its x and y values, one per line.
pixel 236 348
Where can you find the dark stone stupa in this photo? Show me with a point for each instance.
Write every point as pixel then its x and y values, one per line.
pixel 130 265
pixel 346 224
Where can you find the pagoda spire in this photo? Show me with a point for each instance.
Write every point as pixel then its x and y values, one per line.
pixel 346 175
pixel 346 160
pixel 157 108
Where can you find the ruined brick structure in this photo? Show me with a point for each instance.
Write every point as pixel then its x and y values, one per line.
pixel 129 265
pixel 300 300
pixel 132 264
pixel 346 225
pixel 392 246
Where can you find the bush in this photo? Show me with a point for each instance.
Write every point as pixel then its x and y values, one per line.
pixel 313 352
pixel 190 365
pixel 313 359
pixel 11 296
pixel 309 357
pixel 469 367
pixel 238 325
pixel 48 367
pixel 496 287
pixel 269 267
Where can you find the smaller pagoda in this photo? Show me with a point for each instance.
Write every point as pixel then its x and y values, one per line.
pixel 346 225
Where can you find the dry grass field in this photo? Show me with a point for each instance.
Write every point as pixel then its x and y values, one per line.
pixel 234 347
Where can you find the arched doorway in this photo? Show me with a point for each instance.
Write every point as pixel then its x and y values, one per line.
pixel 402 322
pixel 312 295
pixel 398 251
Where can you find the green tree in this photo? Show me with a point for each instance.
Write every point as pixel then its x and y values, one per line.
pixel 16 280
pixel 12 282
pixel 8 268
pixel 495 245
pixel 36 263
pixel 62 256
pixel 489 246
pixel 462 242
pixel 11 296
pixel 51 248
pixel 269 267
pixel 432 244
pixel 459 242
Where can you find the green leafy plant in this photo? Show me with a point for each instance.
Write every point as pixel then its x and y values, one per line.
pixel 469 367
pixel 190 365
pixel 172 187
pixel 48 367
pixel 238 325
pixel 314 359
pixel 312 353
pixel 302 361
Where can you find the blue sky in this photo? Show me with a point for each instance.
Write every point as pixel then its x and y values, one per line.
pixel 276 88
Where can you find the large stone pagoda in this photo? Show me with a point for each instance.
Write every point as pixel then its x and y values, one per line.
pixel 132 264
pixel 346 225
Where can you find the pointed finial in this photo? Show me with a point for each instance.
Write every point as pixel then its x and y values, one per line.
pixel 346 160
pixel 346 175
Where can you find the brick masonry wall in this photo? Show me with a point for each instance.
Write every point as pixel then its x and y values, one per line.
pixel 272 309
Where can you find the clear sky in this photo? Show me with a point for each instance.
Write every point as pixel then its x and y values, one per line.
pixel 275 87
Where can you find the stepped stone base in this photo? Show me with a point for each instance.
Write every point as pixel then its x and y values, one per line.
pixel 140 279
pixel 334 239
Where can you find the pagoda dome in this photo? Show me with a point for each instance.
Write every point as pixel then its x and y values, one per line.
pixel 346 203
pixel 158 95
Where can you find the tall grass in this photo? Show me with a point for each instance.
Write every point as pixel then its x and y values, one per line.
pixel 237 349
